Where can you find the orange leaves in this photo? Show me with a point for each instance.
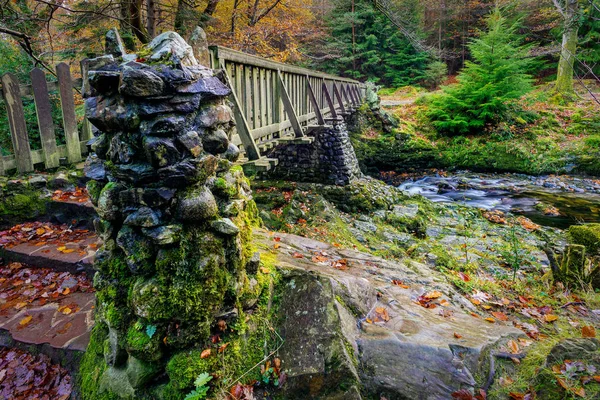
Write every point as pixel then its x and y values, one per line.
pixel 457 336
pixel 79 195
pixel 426 300
pixel 588 332
pixel 528 224
pixel 341 264
pixel 205 353
pixel 499 315
pixel 432 295
pixel 400 284
pixel 513 347
pixel 490 320
pixel 297 255
pixel 550 317
pixel 41 234
pixel 381 314
pixel 495 216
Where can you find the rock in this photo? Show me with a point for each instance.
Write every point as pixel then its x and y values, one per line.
pixel 215 142
pixel 104 82
pixel 144 217
pixel 114 354
pixel 166 125
pixel 198 205
pixel 207 87
pixel 199 45
pixel 139 373
pixel 408 211
pixel 587 235
pixel 180 174
pixel 120 151
pixel 139 251
pixel 38 182
pixel 232 153
pixel 225 226
pixel 140 83
pixel 146 300
pixel 253 263
pixel 212 116
pixel 60 181
pixel 113 44
pixel 115 380
pixel 163 235
pixel 94 168
pixel 160 152
pixel 137 174
pixel 191 142
pixel 318 362
pixel 108 203
pixel 364 226
pixel 169 46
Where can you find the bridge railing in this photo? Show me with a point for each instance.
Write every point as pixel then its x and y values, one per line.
pixel 273 100
pixel 51 154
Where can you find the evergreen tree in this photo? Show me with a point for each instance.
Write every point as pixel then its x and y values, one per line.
pixel 489 85
pixel 364 45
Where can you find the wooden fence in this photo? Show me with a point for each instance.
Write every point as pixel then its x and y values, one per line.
pixel 23 158
pixel 273 100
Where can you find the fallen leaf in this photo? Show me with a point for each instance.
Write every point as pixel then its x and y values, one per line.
pixel 276 245
pixel 25 321
pixel 513 346
pixel 400 284
pixel 465 277
pixel 223 347
pixel 550 317
pixel 588 332
pixel 65 328
pixel 456 335
pixel 433 295
pixel 491 320
pixel 500 315
pixel 265 270
pixel 579 392
pixel 297 255
pixel 205 353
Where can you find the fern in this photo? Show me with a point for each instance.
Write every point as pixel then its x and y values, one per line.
pixel 201 387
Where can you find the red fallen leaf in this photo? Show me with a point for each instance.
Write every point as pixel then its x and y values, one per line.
pixel 301 221
pixel 297 255
pixel 456 335
pixel 215 339
pixel 341 264
pixel 464 277
pixel 482 395
pixel 523 300
pixel 499 315
pixel 277 239
pixel 400 283
pixel 205 353
pixel 462 394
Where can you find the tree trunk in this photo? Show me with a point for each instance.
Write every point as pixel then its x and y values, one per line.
pixel 564 75
pixel 137 25
pixel 179 24
pixel 151 19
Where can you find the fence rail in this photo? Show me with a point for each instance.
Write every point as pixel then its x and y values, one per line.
pixel 23 158
pixel 273 100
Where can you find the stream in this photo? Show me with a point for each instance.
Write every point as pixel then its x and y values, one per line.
pixel 555 201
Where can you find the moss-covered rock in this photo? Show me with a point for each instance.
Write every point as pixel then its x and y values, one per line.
pixel 586 235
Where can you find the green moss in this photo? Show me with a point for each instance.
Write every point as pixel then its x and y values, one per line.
pixel 92 366
pixel 94 188
pixel 26 205
pixel 142 346
pixel 586 235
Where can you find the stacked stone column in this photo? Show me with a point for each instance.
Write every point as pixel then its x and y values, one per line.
pixel 175 214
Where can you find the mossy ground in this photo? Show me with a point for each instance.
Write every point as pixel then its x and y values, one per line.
pixel 469 251
pixel 548 138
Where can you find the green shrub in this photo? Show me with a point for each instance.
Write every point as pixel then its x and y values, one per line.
pixel 435 74
pixel 489 85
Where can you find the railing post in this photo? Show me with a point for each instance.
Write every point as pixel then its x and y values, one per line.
pixel 65 87
pixel 16 121
pixel 336 93
pixel 313 100
pixel 43 111
pixel 243 128
pixel 289 107
pixel 329 100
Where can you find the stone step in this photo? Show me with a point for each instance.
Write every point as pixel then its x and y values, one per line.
pixel 50 245
pixel 46 311
pixel 258 166
pixel 71 213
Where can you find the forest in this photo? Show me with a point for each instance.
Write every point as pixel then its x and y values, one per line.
pixel 300 199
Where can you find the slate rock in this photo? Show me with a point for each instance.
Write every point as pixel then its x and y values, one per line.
pixel 115 380
pixel 191 142
pixel 140 83
pixel 94 168
pixel 179 175
pixel 139 250
pixel 215 142
pixel 160 152
pixel 110 114
pixel 108 203
pixel 38 182
pixel 139 373
pixel 138 173
pixel 100 145
pixel 144 217
pixel 120 151
pixel 114 354
pixel 232 153
pixel 105 82
pixel 165 125
pixel 215 115
pixel 113 44
pixel 208 87
pixel 225 226
pixel 169 46
pixel 198 205
pixel 164 235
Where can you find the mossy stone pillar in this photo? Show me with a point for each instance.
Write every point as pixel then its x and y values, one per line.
pixel 175 214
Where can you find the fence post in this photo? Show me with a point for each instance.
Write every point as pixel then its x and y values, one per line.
pixel 16 121
pixel 289 107
pixel 336 93
pixel 329 101
pixel 314 102
pixel 65 87
pixel 43 111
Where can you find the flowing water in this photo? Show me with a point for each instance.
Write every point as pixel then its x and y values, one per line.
pixel 577 200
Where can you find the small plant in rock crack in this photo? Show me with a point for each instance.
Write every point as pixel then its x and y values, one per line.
pixel 201 387
pixel 514 254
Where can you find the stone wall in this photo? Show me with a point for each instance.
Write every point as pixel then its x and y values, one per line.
pixel 329 158
pixel 175 215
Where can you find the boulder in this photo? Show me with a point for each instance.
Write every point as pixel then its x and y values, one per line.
pixel 169 46
pixel 215 142
pixel 140 83
pixel 197 205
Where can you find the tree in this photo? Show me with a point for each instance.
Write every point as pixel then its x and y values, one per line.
pixel 490 84
pixel 363 44
pixel 569 10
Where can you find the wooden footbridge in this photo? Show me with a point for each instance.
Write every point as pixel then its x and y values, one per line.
pixel 273 102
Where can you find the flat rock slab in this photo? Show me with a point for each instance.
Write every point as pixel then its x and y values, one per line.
pixel 65 324
pixel 404 350
pixel 75 213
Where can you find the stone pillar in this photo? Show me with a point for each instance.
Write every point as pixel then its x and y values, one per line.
pixel 175 214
